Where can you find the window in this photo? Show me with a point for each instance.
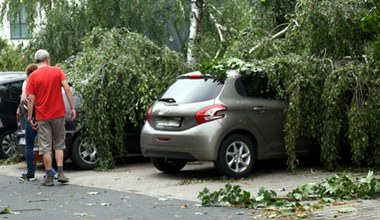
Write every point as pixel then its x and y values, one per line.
pixel 193 90
pixel 255 86
pixel 18 25
pixel 11 91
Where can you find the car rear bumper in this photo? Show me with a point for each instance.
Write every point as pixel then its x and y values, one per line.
pixel 197 143
pixel 20 141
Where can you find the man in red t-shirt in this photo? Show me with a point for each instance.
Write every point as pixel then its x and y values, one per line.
pixel 44 90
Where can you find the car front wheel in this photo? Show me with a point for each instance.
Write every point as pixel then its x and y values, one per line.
pixel 236 156
pixel 84 153
pixel 8 141
pixel 168 165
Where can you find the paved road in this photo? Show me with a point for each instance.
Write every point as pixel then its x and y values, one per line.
pixel 136 190
pixel 30 201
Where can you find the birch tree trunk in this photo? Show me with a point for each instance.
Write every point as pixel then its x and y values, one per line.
pixel 195 23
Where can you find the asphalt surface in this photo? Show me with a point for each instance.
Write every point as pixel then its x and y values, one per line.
pixel 136 190
pixel 28 200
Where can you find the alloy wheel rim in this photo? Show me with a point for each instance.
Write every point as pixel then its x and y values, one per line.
pixel 238 156
pixel 9 145
pixel 88 151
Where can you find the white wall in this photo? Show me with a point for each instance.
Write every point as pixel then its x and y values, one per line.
pixel 5 33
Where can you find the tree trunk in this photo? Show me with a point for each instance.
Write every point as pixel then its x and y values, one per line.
pixel 195 23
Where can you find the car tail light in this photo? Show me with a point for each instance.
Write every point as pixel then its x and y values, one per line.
pixel 210 113
pixel 17 114
pixel 148 114
pixel 195 76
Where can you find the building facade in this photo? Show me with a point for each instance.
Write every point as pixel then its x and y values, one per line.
pixel 15 31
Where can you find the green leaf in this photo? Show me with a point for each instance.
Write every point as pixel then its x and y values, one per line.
pixel 5 211
pixel 347 210
pixel 327 200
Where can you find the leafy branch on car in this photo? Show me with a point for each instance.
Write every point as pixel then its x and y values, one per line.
pixel 118 87
pixel 327 77
pixel 344 126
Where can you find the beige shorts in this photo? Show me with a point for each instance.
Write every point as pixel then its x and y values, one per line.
pixel 51 134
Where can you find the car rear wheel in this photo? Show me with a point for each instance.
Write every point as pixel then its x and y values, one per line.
pixel 236 156
pixel 168 165
pixel 8 142
pixel 84 153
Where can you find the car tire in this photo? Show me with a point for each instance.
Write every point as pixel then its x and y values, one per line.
pixel 83 153
pixel 168 165
pixel 8 143
pixel 236 157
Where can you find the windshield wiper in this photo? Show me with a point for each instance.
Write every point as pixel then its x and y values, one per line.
pixel 169 100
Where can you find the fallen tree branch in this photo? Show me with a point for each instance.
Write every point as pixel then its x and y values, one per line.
pixel 219 28
pixel 290 199
pixel 24 210
pixel 280 33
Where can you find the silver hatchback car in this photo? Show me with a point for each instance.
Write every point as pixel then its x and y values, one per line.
pixel 233 123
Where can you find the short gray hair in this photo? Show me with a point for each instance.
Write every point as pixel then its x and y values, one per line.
pixel 41 55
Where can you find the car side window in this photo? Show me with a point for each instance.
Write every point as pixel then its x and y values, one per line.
pixel 255 86
pixel 11 91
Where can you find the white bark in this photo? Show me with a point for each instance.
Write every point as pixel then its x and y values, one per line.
pixel 195 20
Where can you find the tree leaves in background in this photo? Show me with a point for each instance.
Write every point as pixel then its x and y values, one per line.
pixel 11 57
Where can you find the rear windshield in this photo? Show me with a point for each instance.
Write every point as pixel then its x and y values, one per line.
pixel 193 90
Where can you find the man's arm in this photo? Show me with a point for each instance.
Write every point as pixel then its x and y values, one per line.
pixel 31 120
pixel 70 97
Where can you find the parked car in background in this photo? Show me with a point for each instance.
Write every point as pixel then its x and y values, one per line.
pixel 233 123
pixel 80 149
pixel 10 92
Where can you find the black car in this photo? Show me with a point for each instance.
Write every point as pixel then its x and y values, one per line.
pixel 10 92
pixel 80 149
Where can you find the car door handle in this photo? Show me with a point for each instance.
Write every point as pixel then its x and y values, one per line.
pixel 259 109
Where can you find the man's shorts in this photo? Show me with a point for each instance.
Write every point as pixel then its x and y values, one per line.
pixel 51 133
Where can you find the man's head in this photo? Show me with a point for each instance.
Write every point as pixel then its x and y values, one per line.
pixel 42 56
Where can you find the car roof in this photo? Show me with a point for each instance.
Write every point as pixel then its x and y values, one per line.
pixel 12 76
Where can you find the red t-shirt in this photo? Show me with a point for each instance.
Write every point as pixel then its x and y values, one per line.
pixel 45 84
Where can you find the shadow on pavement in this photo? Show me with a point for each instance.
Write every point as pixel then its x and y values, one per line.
pixel 206 171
